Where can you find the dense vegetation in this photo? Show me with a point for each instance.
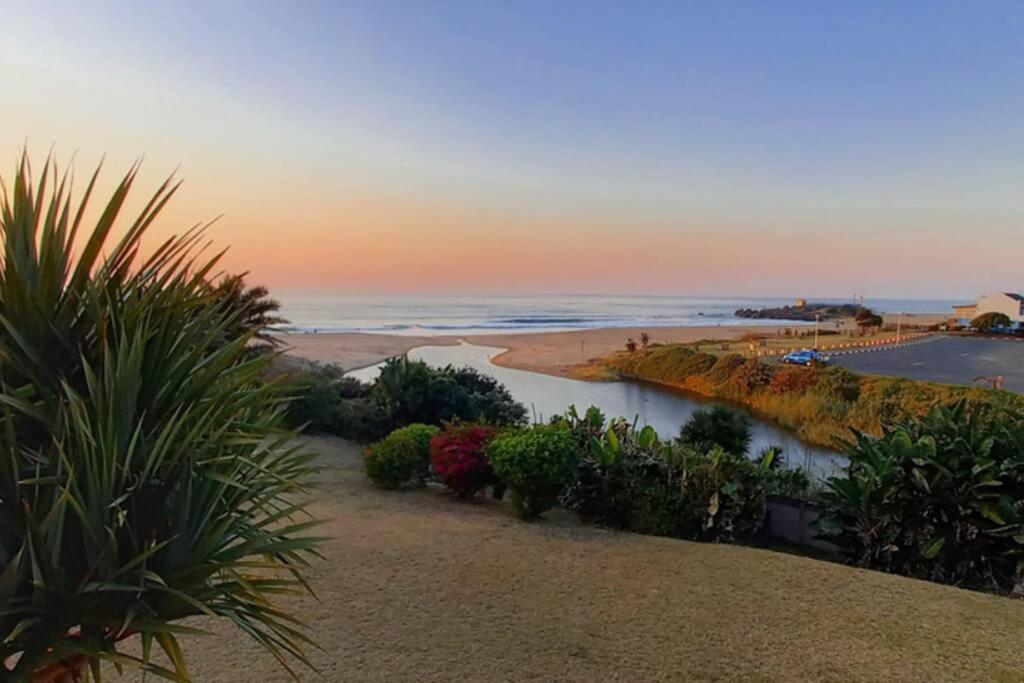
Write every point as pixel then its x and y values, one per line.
pixel 939 498
pixel 610 472
pixel 144 469
pixel 819 404
pixel 630 479
pixel 405 392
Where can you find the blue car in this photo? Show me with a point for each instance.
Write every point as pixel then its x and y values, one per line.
pixel 805 357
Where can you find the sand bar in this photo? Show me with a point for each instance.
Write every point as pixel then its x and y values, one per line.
pixel 352 350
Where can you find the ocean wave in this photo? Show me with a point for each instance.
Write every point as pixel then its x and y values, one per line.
pixel 549 320
pixel 307 329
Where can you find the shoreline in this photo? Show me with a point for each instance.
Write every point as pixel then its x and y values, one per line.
pixel 550 353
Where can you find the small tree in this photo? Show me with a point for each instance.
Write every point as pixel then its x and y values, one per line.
pixel 631 345
pixel 867 319
pixel 987 321
pixel 645 340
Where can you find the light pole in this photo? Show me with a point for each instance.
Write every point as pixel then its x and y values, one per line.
pixel 899 326
pixel 817 324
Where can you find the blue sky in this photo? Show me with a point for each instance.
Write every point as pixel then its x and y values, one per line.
pixel 894 127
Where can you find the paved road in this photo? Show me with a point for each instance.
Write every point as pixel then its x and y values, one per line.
pixel 953 360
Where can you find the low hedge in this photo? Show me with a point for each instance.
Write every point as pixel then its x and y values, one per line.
pixel 537 464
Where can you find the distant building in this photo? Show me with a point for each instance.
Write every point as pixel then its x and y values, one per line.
pixel 965 311
pixel 1010 303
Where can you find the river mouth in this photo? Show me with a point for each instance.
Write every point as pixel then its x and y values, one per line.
pixel 663 408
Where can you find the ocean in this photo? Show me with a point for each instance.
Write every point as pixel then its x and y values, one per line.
pixel 460 314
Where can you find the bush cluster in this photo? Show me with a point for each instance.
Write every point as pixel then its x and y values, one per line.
pixel 939 498
pixel 329 402
pixel 402 457
pixel 629 479
pixel 405 392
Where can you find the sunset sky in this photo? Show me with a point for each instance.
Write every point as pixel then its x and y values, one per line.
pixel 692 148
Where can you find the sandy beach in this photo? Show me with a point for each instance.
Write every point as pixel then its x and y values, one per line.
pixel 353 350
pixel 553 353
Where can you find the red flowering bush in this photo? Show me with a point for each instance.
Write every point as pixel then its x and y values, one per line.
pixel 460 459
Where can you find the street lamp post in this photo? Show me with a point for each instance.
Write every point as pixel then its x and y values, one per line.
pixel 817 324
pixel 899 327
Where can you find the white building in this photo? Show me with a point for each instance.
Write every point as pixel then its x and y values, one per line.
pixel 1002 302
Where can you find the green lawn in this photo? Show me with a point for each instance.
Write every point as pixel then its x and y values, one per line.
pixel 419 587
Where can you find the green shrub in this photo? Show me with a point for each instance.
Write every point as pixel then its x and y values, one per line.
pixel 990 320
pixel 939 498
pixel 402 457
pixel 717 426
pixel 722 496
pixel 537 464
pixel 328 402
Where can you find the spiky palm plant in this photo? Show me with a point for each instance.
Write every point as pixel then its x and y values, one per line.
pixel 144 477
pixel 260 310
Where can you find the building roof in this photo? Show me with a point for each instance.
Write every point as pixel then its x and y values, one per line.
pixel 1017 297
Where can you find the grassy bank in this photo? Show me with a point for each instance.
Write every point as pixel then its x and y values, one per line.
pixel 819 404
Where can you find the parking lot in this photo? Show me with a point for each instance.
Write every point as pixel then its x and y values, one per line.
pixel 952 360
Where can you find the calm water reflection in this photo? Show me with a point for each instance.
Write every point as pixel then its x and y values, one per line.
pixel 663 409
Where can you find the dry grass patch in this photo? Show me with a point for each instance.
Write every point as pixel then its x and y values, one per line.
pixel 419 587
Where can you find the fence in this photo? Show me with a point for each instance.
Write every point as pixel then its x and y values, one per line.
pixel 791 520
pixel 842 347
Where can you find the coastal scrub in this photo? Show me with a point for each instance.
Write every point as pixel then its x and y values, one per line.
pixel 820 404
